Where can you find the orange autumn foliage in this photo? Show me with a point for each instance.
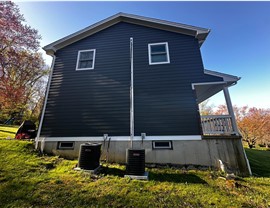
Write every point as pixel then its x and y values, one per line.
pixel 253 124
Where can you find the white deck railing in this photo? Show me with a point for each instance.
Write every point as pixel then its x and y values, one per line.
pixel 217 125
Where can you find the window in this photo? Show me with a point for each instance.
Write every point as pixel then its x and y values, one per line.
pixel 65 145
pixel 158 53
pixel 162 145
pixel 86 59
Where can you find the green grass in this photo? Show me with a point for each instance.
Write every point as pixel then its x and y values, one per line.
pixel 259 162
pixel 8 131
pixel 28 179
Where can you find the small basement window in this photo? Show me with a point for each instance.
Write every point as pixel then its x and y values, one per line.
pixel 86 59
pixel 65 145
pixel 158 53
pixel 162 145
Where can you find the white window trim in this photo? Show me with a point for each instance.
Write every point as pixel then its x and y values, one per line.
pixel 59 146
pixel 78 56
pixel 154 147
pixel 167 53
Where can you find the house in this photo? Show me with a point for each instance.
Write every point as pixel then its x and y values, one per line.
pixel 88 95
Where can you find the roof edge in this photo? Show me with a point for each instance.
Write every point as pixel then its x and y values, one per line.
pixel 198 32
pixel 55 43
pixel 226 77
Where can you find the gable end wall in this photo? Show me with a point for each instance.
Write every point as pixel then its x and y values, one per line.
pixel 97 102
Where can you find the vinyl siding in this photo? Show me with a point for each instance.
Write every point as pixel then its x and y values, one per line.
pixel 96 102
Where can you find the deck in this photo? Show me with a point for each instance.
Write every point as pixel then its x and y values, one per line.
pixel 218 125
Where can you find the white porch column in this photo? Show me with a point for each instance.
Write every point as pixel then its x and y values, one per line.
pixel 230 109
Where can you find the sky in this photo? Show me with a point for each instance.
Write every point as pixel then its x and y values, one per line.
pixel 238 44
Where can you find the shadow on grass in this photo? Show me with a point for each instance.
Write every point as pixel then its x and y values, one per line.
pixel 176 178
pixel 112 171
pixel 10 132
pixel 161 177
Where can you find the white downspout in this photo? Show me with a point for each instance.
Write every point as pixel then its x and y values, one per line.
pixel 45 103
pixel 131 95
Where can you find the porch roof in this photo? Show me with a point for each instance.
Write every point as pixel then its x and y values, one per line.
pixel 205 90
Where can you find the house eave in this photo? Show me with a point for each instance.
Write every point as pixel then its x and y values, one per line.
pixel 226 77
pixel 197 32
pixel 204 90
pixel 50 51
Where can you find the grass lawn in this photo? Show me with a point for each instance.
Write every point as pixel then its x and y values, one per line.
pixel 259 162
pixel 8 131
pixel 30 180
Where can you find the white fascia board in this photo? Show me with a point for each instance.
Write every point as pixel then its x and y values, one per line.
pixel 226 77
pixel 124 138
pixel 164 22
pixel 197 32
pixel 81 33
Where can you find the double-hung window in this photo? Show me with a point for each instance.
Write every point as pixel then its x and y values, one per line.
pixel 158 53
pixel 86 59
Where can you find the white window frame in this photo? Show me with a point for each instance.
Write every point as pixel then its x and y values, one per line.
pixel 78 61
pixel 60 147
pixel 167 53
pixel 169 147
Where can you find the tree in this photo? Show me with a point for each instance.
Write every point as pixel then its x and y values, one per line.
pixel 265 140
pixel 22 68
pixel 205 108
pixel 253 124
pixel 221 110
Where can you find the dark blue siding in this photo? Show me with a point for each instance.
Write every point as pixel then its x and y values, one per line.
pixel 96 102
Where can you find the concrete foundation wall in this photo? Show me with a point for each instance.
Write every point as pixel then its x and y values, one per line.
pixel 205 152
